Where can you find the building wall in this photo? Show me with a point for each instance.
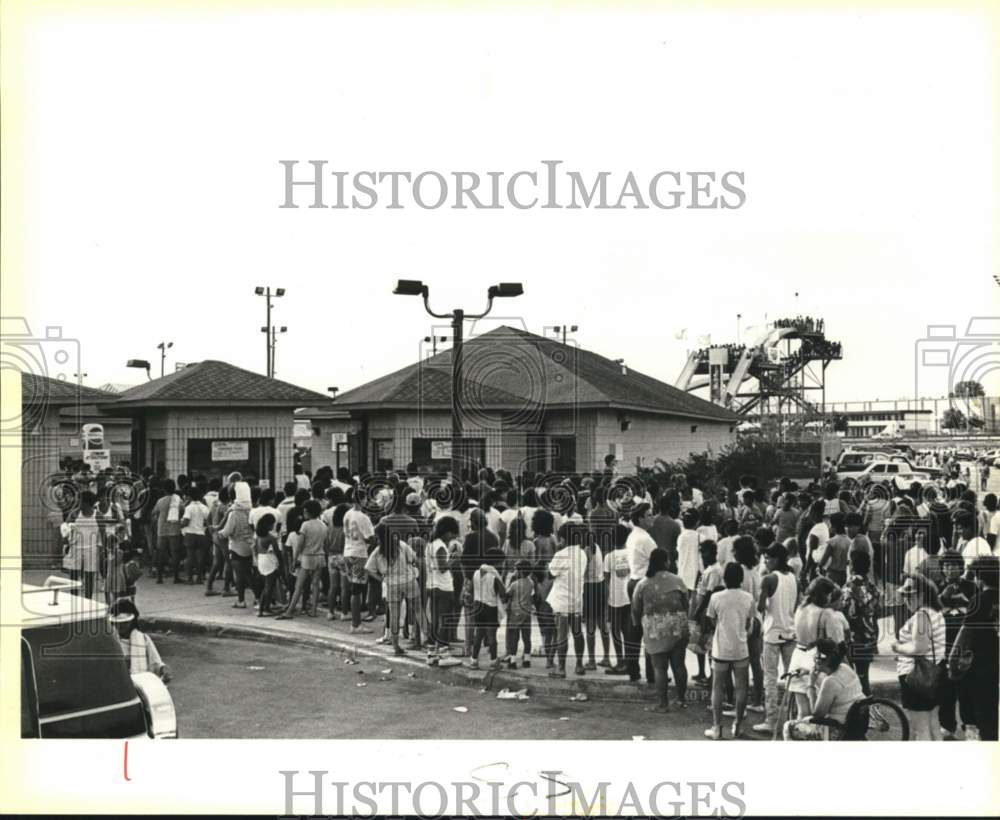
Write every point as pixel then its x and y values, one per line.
pixel 40 518
pixel 117 433
pixel 177 426
pixel 650 437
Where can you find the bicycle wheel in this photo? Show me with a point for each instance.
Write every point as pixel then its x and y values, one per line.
pixel 886 721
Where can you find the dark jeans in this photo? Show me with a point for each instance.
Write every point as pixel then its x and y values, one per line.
pixel 522 630
pixel 547 626
pixel 168 547
pixel 633 643
pixel 487 620
pixel 195 548
pixel 241 570
pixel 620 616
pixel 565 624
pixel 665 661
pixel 441 608
pixel 267 596
pixel 950 693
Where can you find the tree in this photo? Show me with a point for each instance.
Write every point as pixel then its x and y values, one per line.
pixel 968 390
pixel 953 419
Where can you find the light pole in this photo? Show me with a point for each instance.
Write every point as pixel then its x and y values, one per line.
pixel 563 329
pixel 414 287
pixel 267 294
pixel 274 345
pixel 141 364
pixel 738 330
pixel 80 377
pixel 433 342
pixel 163 347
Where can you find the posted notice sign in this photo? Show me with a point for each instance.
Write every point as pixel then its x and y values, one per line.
pixel 230 450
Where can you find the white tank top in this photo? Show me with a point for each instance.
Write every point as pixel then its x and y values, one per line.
pixel 779 619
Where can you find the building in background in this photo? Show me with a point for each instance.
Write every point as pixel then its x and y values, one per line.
pixel 528 403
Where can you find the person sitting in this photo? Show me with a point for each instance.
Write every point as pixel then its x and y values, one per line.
pixel 839 689
pixel 139 650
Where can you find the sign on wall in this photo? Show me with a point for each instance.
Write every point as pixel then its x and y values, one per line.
pixel 337 438
pixel 230 450
pixel 94 451
pixel 440 449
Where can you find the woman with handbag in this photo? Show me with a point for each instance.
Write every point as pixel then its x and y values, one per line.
pixel 815 619
pixel 920 657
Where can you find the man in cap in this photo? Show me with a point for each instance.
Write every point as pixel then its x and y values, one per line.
pixel 138 648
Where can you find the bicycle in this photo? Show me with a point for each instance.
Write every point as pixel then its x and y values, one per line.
pixel 869 718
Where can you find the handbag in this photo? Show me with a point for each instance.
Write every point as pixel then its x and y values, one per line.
pixel 961 657
pixel 132 572
pixel 924 680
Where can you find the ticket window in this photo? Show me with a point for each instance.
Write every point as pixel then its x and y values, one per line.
pixel 253 458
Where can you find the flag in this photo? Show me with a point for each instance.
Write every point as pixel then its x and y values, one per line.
pixel 681 334
pixel 705 340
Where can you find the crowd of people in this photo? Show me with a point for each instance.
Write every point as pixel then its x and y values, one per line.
pixel 749 579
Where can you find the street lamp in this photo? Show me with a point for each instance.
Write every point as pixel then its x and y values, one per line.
pixel 433 342
pixel 414 287
pixel 563 329
pixel 80 377
pixel 266 292
pixel 142 364
pixel 163 347
pixel 333 392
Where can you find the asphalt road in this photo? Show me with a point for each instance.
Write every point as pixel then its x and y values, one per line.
pixel 230 688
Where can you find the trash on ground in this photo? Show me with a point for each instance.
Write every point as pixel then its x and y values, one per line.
pixel 386 672
pixel 361 684
pixel 351 661
pixel 564 718
pixel 462 709
pixel 506 694
pixel 255 668
pixel 638 737
pixel 579 697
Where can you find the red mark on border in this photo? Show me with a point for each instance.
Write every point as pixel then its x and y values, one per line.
pixel 126 763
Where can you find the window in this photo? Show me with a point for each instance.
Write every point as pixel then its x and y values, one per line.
pixel 382 453
pixel 216 458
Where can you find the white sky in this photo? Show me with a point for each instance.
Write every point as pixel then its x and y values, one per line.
pixel 866 140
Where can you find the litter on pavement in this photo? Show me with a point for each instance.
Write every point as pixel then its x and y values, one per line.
pixel 506 694
pixel 361 684
pixel 386 672
pixel 255 668
pixel 460 709
pixel 579 697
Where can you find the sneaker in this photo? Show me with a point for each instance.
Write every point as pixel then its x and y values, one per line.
pixel 715 733
pixel 383 640
pixel 972 733
pixel 241 605
pixel 580 670
pixel 367 618
pixel 333 616
pixel 605 662
pixel 765 728
pixel 210 592
pixel 616 670
pixel 590 665
pixel 729 713
pixel 471 664
pixel 360 630
pixel 755 707
pixel 433 660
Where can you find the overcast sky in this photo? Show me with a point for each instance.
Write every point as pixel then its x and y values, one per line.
pixel 866 141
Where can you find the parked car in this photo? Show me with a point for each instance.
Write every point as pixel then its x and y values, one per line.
pixel 75 682
pixel 933 472
pixel 884 472
pixel 852 462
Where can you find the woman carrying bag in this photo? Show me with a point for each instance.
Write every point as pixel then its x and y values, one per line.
pixel 920 657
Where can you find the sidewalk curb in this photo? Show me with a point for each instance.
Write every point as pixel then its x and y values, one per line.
pixel 490 680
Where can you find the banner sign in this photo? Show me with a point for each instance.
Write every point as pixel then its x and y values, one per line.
pixel 440 449
pixel 230 450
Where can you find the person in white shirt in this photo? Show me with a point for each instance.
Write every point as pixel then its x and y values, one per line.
pixel 971 545
pixel 819 534
pixel 616 573
pixel 688 558
pixel 638 547
pixel 196 543
pixel 568 569
pixel 359 535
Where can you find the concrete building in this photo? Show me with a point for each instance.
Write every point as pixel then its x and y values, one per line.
pixel 528 403
pixel 914 417
pixel 211 418
pixel 52 413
